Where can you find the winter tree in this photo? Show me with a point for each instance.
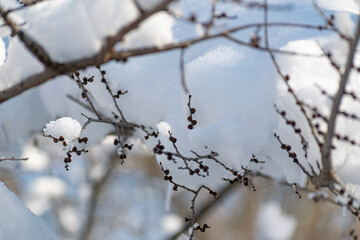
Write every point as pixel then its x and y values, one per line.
pixel 133 119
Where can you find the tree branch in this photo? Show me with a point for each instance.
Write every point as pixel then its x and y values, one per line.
pixel 327 171
pixel 104 55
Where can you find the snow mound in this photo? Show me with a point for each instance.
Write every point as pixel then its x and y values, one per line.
pixel 67 127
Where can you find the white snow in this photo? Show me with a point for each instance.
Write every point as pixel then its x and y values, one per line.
pixel 164 128
pixel 44 189
pixel 351 6
pixel 171 223
pixel 222 56
pixel 345 23
pixel 71 30
pixel 233 92
pixel 67 127
pixel 157 30
pixel 48 186
pixel 38 159
pixel 17 221
pixel 273 223
pixel 19 64
pixel 70 219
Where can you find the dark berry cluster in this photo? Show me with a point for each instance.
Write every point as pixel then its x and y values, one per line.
pixel 122 155
pixel 159 148
pixel 255 160
pixel 68 159
pixel 149 133
pixel 192 121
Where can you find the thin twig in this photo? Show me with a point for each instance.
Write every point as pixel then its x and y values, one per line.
pixel 111 94
pixel 13 159
pixel 286 77
pixel 86 95
pixel 182 71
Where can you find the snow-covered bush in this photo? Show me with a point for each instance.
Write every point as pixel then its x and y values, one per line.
pixel 220 92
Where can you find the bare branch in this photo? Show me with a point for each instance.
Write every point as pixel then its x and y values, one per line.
pixel 36 49
pixel 13 159
pixel 182 71
pixel 138 6
pixel 103 79
pixel 103 56
pixel 85 94
pixel 327 170
pixel 100 58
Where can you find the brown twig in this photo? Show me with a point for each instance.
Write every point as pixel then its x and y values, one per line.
pixel 182 71
pixel 13 159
